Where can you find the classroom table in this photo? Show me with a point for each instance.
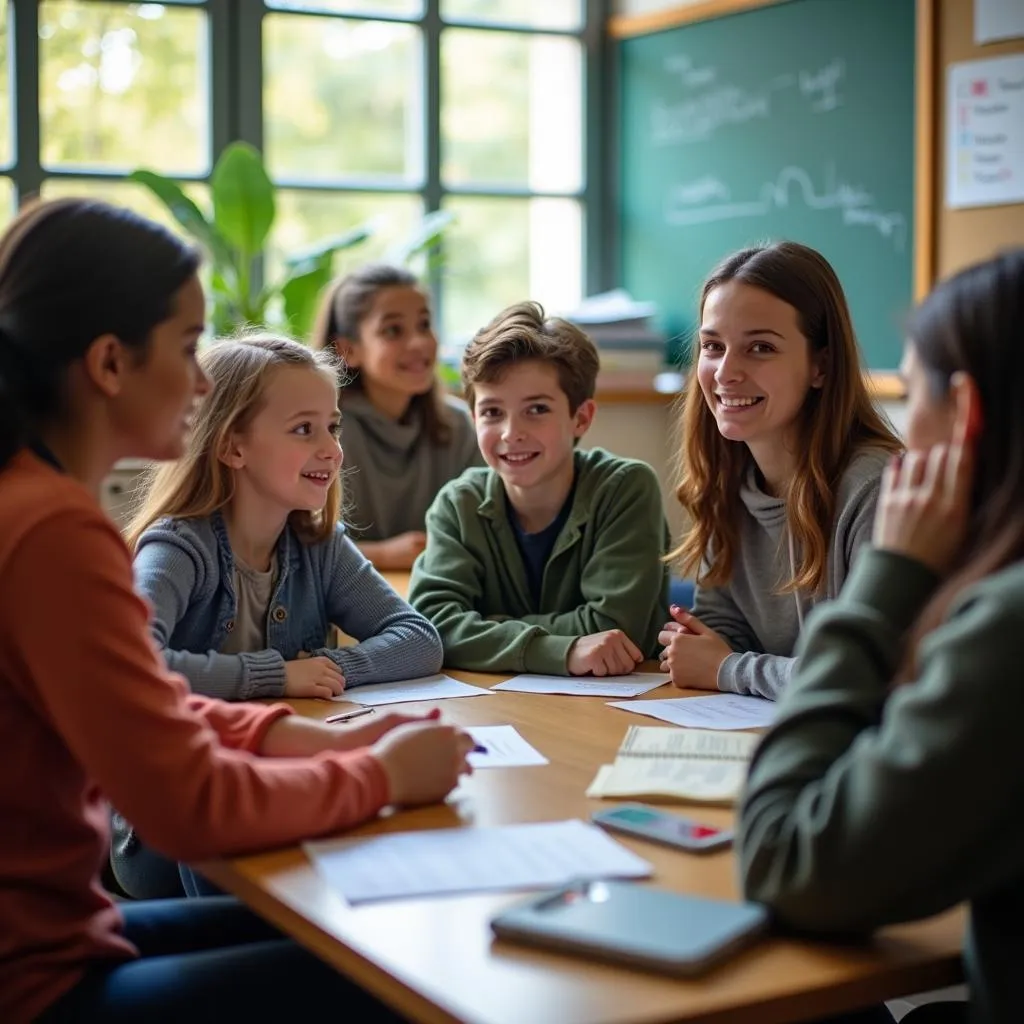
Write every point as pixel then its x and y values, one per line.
pixel 434 959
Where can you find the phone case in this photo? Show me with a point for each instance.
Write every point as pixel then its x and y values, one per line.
pixel 634 925
pixel 676 834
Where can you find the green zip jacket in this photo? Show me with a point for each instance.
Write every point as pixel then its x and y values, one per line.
pixel 605 571
pixel 867 806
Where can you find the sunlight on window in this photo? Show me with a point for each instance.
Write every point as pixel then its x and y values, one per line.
pixel 342 99
pixel 501 251
pixel 512 110
pixel 306 218
pixel 124 86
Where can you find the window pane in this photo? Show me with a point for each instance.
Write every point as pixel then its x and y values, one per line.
pixel 511 109
pixel 123 86
pixel 6 143
pixel 305 218
pixel 501 251
pixel 125 193
pixel 564 14
pixel 395 7
pixel 342 98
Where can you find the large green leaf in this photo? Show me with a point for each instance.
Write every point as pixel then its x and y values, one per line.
pixel 301 291
pixel 186 213
pixel 243 198
pixel 425 238
pixel 305 259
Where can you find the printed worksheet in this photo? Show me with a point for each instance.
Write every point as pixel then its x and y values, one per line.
pixel 503 747
pixel 587 686
pixel 436 687
pixel 461 860
pixel 716 711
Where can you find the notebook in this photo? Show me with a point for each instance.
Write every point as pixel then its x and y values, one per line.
pixel 698 765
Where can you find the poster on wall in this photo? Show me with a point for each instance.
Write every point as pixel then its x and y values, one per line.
pixel 998 19
pixel 985 132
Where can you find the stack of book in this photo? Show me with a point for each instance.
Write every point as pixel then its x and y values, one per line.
pixel 622 330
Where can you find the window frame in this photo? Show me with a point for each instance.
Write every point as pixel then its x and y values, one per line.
pixel 235 90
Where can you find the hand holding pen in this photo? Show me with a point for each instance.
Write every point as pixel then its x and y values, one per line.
pixel 368 733
pixel 423 761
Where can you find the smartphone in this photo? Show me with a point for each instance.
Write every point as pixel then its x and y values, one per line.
pixel 663 827
pixel 634 925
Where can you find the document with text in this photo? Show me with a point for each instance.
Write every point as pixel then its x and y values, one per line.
pixel 587 686
pixel 437 687
pixel 464 860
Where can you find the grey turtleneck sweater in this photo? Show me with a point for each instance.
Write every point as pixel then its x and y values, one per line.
pixel 760 624
pixel 393 470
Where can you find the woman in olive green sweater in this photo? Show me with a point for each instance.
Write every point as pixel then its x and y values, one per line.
pixel 890 787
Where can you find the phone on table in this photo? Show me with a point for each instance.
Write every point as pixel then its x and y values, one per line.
pixel 634 925
pixel 663 827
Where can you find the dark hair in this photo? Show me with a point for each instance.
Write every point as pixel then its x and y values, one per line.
pixel 344 306
pixel 837 420
pixel 522 333
pixel 973 323
pixel 71 271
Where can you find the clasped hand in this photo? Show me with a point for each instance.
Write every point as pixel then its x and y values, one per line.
pixel 692 652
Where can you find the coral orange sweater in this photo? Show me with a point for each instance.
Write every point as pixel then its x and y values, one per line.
pixel 89 713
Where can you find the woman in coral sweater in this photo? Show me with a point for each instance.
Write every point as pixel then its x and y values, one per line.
pixel 100 316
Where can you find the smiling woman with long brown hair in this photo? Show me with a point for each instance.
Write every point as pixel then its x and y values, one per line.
pixel 782 455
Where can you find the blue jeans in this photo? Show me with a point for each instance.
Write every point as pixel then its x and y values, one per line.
pixel 208 961
pixel 680 592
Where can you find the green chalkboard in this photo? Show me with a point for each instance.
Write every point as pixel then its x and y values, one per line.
pixel 794 120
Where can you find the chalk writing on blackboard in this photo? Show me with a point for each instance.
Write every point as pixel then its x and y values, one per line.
pixel 823 87
pixel 708 199
pixel 709 104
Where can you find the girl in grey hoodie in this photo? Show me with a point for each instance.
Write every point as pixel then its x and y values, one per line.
pixel 404 437
pixel 782 453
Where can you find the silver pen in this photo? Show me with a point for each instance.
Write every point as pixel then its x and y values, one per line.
pixel 347 716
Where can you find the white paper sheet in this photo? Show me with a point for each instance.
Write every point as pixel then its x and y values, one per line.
pixel 505 748
pixel 462 860
pixel 426 688
pixel 985 132
pixel 998 19
pixel 587 686
pixel 716 711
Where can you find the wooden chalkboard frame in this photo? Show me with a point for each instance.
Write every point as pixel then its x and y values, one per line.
pixel 885 385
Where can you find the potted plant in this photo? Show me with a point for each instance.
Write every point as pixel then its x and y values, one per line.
pixel 233 235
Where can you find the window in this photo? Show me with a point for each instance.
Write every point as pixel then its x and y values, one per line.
pixel 369 112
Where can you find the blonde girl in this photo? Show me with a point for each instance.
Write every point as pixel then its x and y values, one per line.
pixel 239 550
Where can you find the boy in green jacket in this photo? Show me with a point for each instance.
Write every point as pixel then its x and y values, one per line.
pixel 549 559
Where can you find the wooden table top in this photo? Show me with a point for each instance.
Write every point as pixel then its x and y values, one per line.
pixel 435 960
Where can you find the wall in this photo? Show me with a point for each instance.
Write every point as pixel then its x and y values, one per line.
pixel 644 431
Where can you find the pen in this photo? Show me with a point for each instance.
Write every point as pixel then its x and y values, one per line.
pixel 479 749
pixel 347 716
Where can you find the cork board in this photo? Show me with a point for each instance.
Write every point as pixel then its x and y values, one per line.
pixel 966 236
